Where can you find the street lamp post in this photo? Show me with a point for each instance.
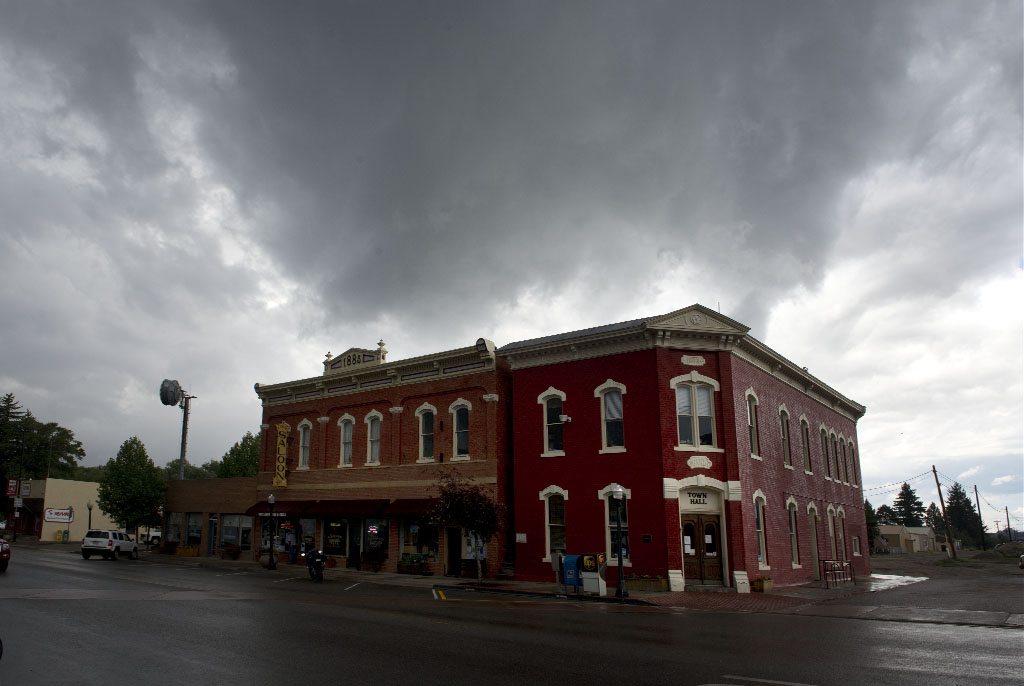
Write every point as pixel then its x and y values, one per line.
pixel 88 504
pixel 619 495
pixel 272 563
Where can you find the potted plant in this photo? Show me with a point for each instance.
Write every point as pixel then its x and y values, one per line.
pixel 411 564
pixel 761 584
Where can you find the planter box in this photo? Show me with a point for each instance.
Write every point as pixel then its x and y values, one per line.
pixel 649 585
pixel 187 551
pixel 761 585
pixel 412 568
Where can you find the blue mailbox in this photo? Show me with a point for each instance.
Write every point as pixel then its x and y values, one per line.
pixel 571 572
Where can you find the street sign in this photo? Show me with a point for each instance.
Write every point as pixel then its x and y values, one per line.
pixel 18 502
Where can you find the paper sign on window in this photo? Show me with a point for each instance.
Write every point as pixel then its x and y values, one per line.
pixel 707 538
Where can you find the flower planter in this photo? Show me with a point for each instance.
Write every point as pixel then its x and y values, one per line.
pixel 411 568
pixel 187 551
pixel 761 585
pixel 649 585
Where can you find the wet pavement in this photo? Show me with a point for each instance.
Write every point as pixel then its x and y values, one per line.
pixel 872 598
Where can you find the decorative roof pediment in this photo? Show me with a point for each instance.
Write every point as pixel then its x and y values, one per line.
pixel 697 319
pixel 355 358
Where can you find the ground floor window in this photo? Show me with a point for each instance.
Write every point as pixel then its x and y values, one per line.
pixel 172 533
pixel 375 538
pixel 336 537
pixel 618 506
pixel 195 528
pixel 419 538
pixel 236 530
pixel 759 527
pixel 856 545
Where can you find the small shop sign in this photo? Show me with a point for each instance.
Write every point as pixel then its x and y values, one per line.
pixel 63 515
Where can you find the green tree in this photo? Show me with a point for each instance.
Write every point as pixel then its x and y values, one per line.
pixel 908 507
pixel 886 515
pixel 133 488
pixel 963 518
pixel 49 450
pixel 872 521
pixel 192 471
pixel 89 473
pixel 241 459
pixel 11 416
pixel 933 518
pixel 469 506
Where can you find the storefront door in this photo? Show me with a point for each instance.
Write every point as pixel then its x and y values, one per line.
pixel 702 559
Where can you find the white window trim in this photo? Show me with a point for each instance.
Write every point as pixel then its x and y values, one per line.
pixel 786 434
pixel 806 441
pixel 425 407
pixel 544 495
pixel 306 425
pixel 370 416
pixel 855 543
pixel 763 533
pixel 341 439
pixel 603 495
pixel 753 421
pixel 846 465
pixel 459 403
pixel 599 392
pixel 694 379
pixel 542 399
pixel 793 512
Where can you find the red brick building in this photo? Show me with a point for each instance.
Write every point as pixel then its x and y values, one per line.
pixel 353 455
pixel 737 464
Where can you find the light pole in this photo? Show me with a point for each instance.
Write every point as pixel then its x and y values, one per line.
pixel 619 495
pixel 272 563
pixel 88 504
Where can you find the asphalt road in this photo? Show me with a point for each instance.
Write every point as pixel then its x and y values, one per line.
pixel 65 620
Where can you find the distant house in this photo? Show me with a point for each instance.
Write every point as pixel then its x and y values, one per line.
pixel 899 539
pixel 941 545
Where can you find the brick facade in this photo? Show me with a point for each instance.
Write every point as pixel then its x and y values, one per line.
pixel 712 487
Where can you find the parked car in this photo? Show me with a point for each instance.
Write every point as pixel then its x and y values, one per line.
pixel 151 537
pixel 5 555
pixel 110 544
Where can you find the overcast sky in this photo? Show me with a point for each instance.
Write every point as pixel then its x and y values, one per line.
pixel 221 192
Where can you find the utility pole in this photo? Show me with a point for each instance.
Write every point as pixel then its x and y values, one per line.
pixel 981 524
pixel 949 530
pixel 1008 534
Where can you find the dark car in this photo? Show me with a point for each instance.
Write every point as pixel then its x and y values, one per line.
pixel 5 555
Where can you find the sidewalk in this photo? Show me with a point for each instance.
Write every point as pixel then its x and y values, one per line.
pixel 808 600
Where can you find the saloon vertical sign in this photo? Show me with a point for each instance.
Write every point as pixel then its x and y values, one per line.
pixel 280 472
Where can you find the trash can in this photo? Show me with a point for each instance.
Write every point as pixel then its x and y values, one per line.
pixel 65 536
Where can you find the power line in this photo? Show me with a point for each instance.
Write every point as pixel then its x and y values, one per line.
pixel 898 484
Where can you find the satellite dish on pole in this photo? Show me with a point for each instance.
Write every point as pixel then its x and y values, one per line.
pixel 170 392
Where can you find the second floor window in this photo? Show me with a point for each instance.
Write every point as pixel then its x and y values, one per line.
pixel 805 436
pixel 304 433
pixel 462 431
pixel 695 417
pixel 755 449
pixel 612 407
pixel 373 440
pixel 427 434
pixel 553 424
pixel 786 458
pixel 346 443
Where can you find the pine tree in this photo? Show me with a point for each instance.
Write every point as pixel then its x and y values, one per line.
pixel 886 516
pixel 908 507
pixel 933 518
pixel 963 518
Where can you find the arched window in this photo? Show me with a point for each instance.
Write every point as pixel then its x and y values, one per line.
pixel 373 422
pixel 460 410
pixel 842 460
pixel 695 412
pixel 760 526
pixel 794 543
pixel 755 448
pixel 835 458
pixel 305 431
pixel 551 402
pixel 805 437
pixel 613 438
pixel 425 414
pixel 614 509
pixel 784 421
pixel 554 517
pixel 824 454
pixel 345 425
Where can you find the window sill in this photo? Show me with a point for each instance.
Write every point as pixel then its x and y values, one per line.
pixel 612 450
pixel 372 464
pixel 763 567
pixel 302 469
pixel 788 466
pixel 344 466
pixel 756 457
pixel 796 566
pixel 553 453
pixel 425 460
pixel 459 458
pixel 698 449
pixel 808 471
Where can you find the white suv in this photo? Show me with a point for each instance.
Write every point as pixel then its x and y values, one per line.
pixel 109 544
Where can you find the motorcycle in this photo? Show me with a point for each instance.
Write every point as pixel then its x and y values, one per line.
pixel 315 564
